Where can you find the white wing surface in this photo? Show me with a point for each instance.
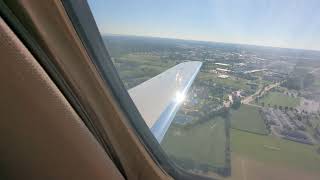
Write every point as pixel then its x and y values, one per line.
pixel 159 98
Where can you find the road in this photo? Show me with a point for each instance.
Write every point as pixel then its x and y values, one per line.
pixel 250 98
pixel 254 105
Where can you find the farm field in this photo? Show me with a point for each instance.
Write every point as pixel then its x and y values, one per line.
pixel 145 59
pixel 244 168
pixel 316 83
pixel 275 151
pixel 230 82
pixel 137 68
pixel 279 99
pixel 248 118
pixel 203 143
pixel 224 139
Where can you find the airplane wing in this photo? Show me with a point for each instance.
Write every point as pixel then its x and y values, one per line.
pixel 159 98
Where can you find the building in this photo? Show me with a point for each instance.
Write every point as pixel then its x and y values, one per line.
pixel 222 70
pixel 223 76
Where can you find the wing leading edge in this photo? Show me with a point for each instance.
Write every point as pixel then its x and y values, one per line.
pixel 159 98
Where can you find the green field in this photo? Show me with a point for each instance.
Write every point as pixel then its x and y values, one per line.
pixel 136 68
pixel 203 143
pixel 279 99
pixel 316 83
pixel 273 150
pixel 229 82
pixel 248 118
pixel 145 59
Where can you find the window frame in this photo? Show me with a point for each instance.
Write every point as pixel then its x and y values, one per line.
pixel 83 21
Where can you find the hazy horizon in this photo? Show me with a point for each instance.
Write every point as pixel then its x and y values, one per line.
pixel 172 38
pixel 289 24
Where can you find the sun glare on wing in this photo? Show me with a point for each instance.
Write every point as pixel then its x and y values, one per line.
pixel 180 97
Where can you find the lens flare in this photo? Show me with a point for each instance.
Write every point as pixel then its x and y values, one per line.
pixel 180 97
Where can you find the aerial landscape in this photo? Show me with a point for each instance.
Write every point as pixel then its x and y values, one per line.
pixel 252 111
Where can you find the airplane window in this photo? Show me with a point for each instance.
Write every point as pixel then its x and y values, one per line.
pixel 230 89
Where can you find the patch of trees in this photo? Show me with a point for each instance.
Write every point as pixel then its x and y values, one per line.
pixel 119 45
pixel 266 121
pixel 227 170
pixel 236 102
pixel 207 116
pixel 282 108
pixel 299 81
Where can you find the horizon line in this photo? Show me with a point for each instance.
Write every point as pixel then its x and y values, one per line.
pixel 208 41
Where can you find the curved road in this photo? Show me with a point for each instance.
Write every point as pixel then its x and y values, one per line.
pixel 250 98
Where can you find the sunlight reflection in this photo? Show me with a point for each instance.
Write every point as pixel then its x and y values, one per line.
pixel 180 97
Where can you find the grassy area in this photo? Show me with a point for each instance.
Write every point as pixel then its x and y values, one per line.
pixel 316 83
pixel 248 118
pixel 203 143
pixel 136 68
pixel 145 59
pixel 272 150
pixel 229 82
pixel 279 99
pixel 244 168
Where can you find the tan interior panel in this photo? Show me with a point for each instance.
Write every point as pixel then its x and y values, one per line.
pixel 55 33
pixel 41 136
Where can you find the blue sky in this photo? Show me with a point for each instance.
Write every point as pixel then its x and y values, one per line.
pixel 278 23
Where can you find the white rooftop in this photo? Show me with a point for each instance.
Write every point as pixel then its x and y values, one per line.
pixel 223 76
pixel 222 64
pixel 224 70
